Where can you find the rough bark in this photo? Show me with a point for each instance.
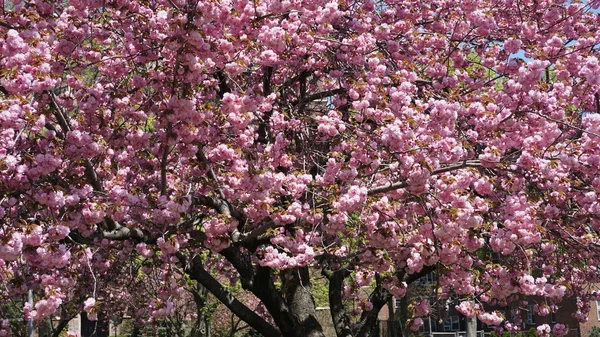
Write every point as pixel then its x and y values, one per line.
pixel 341 321
pixel 298 293
pixel 368 319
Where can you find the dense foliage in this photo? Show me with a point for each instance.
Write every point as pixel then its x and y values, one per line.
pixel 370 142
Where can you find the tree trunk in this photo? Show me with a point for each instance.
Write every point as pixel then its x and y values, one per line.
pixel 201 326
pixel 302 305
pixel 391 324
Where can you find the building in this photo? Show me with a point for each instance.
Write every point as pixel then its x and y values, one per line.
pixel 446 321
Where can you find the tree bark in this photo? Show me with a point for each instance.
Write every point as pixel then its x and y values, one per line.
pixel 196 271
pixel 300 300
pixel 341 321
pixel 392 317
pixel 368 319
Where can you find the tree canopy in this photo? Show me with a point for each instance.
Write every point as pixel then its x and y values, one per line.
pixel 263 141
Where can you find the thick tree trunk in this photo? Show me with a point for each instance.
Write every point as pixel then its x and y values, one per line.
pixel 300 300
pixel 341 321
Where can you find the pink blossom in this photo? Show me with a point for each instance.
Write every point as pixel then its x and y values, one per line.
pixel 415 324
pixel 89 306
pixel 5 328
pixel 491 318
pixel 161 309
pixel 467 308
pixel 144 250
pixel 168 246
pixel 559 330
pixel 45 307
pixel 421 308
pixel 543 330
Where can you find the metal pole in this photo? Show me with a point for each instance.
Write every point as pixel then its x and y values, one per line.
pixel 429 317
pixel 30 322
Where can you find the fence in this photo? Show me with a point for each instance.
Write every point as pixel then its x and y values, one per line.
pixel 458 334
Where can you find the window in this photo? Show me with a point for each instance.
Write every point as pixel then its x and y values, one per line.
pixel 428 325
pixel 598 308
pixel 530 317
pixel 553 317
pixel 451 323
pixel 429 278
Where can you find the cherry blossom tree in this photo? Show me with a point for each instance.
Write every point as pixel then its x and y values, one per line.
pixel 372 142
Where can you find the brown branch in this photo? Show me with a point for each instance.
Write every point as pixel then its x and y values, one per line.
pixel 221 206
pixel 196 271
pixel 250 240
pixel 223 87
pixel 6 25
pixel 211 173
pixel 378 297
pixel 125 233
pixel 259 281
pixel 163 167
pixel 448 168
pixel 263 127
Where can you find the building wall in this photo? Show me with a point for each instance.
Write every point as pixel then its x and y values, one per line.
pixel 593 321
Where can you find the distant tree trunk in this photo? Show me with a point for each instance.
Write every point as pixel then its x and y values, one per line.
pixel 391 324
pixel 402 316
pixel 202 325
pixel 97 328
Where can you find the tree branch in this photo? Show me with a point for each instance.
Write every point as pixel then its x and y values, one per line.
pixel 368 319
pixel 223 207
pixel 126 233
pixel 258 281
pixel 196 271
pixel 448 168
pixel 252 239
